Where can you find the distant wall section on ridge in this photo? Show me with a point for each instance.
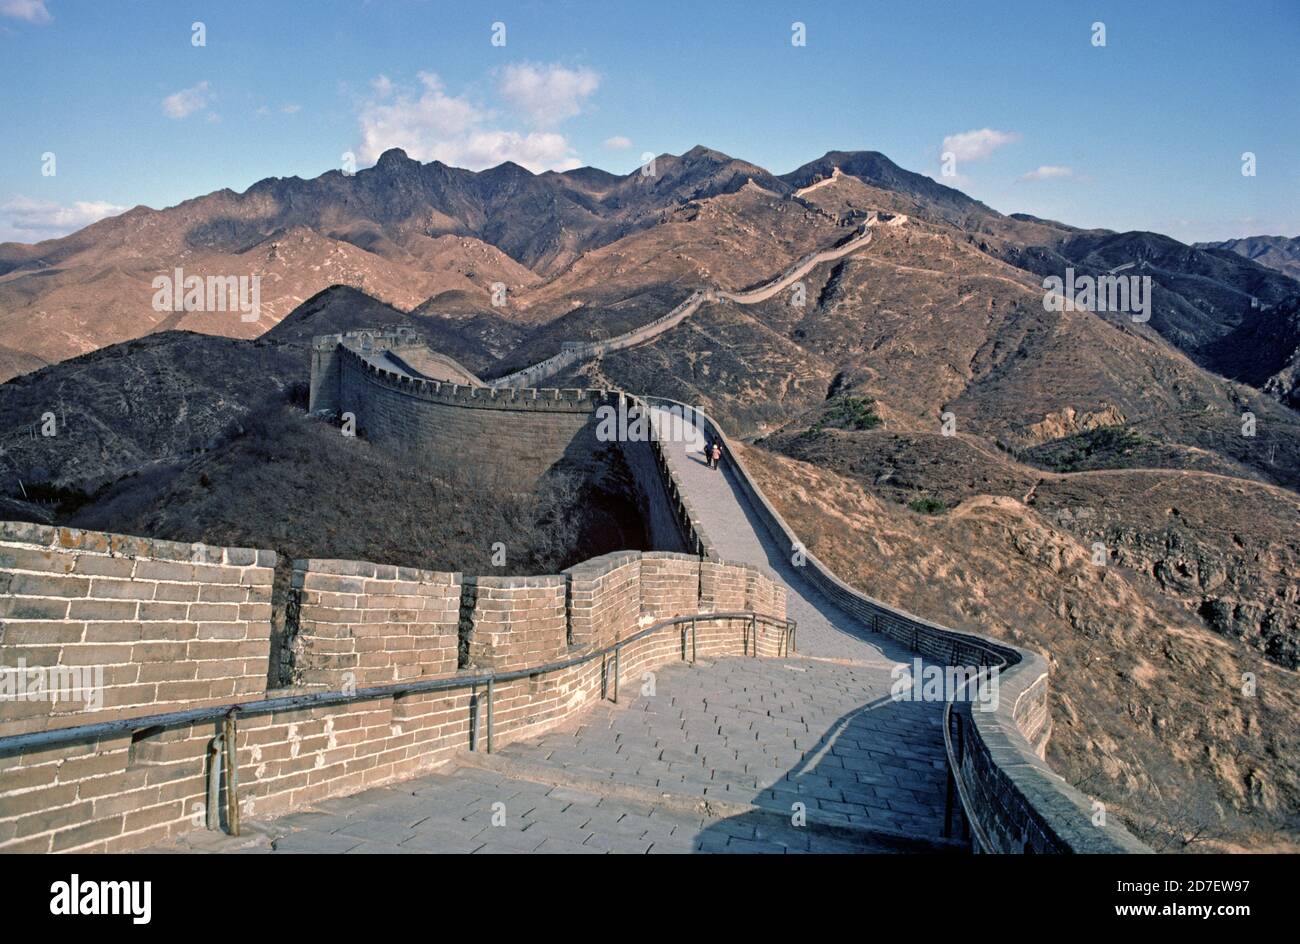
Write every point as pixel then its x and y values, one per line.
pixel 453 426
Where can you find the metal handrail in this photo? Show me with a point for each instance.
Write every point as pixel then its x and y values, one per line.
pixel 57 737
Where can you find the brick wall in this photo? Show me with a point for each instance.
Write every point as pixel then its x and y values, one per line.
pixel 373 624
pixel 518 622
pixel 527 431
pixel 670 584
pixel 358 623
pixel 604 598
pixel 157 623
pixel 679 506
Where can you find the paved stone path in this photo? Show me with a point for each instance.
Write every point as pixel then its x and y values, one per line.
pixel 721 757
pixel 807 754
pixel 738 535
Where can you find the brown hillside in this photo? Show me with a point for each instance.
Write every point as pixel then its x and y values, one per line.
pixel 1148 708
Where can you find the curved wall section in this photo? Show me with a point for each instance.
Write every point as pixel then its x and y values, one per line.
pixel 1019 802
pixel 458 426
pixel 523 431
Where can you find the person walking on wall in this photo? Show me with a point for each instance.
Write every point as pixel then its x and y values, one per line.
pixel 708 452
pixel 715 456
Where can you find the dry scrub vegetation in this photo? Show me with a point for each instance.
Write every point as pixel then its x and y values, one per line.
pixel 298 486
pixel 1148 706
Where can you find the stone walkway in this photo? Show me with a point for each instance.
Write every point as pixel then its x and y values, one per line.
pixel 737 755
pixel 738 536
pixel 807 754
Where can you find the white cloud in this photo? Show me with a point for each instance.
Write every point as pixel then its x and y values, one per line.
pixel 187 101
pixel 33 11
pixel 618 143
pixel 1048 172
pixel 430 124
pixel 977 145
pixel 546 95
pixel 25 219
pixel 537 150
pixel 290 108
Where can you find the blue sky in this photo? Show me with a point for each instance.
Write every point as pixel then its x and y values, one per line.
pixel 1146 132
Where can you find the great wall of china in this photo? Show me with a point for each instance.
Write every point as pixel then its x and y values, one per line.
pixel 403 670
pixel 576 353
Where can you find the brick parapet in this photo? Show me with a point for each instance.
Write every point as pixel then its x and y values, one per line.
pixel 359 625
pixel 96 626
pixel 364 624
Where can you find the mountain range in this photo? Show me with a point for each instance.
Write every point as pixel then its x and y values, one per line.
pixel 1276 252
pixel 976 440
pixel 437 238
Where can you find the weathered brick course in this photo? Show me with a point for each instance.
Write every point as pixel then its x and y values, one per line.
pixel 122 605
pixel 359 624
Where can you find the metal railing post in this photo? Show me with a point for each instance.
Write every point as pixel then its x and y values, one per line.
pixel 473 718
pixel 617 649
pixel 231 734
pixel 216 750
pixel 491 693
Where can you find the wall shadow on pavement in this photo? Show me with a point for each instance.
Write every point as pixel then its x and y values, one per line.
pixel 856 796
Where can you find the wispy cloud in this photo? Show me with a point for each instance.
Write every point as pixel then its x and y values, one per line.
pixel 431 123
pixel 32 11
pixel 26 219
pixel 186 102
pixel 977 145
pixel 618 143
pixel 1048 172
pixel 546 95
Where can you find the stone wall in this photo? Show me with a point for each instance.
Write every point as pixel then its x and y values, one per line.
pixel 666 526
pixel 359 626
pixel 457 426
pixel 518 622
pixel 148 625
pixel 604 598
pixel 524 431
pixel 372 624
pixel 574 352
pixel 1022 804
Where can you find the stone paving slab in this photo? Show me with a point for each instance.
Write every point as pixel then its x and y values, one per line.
pixel 673 797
